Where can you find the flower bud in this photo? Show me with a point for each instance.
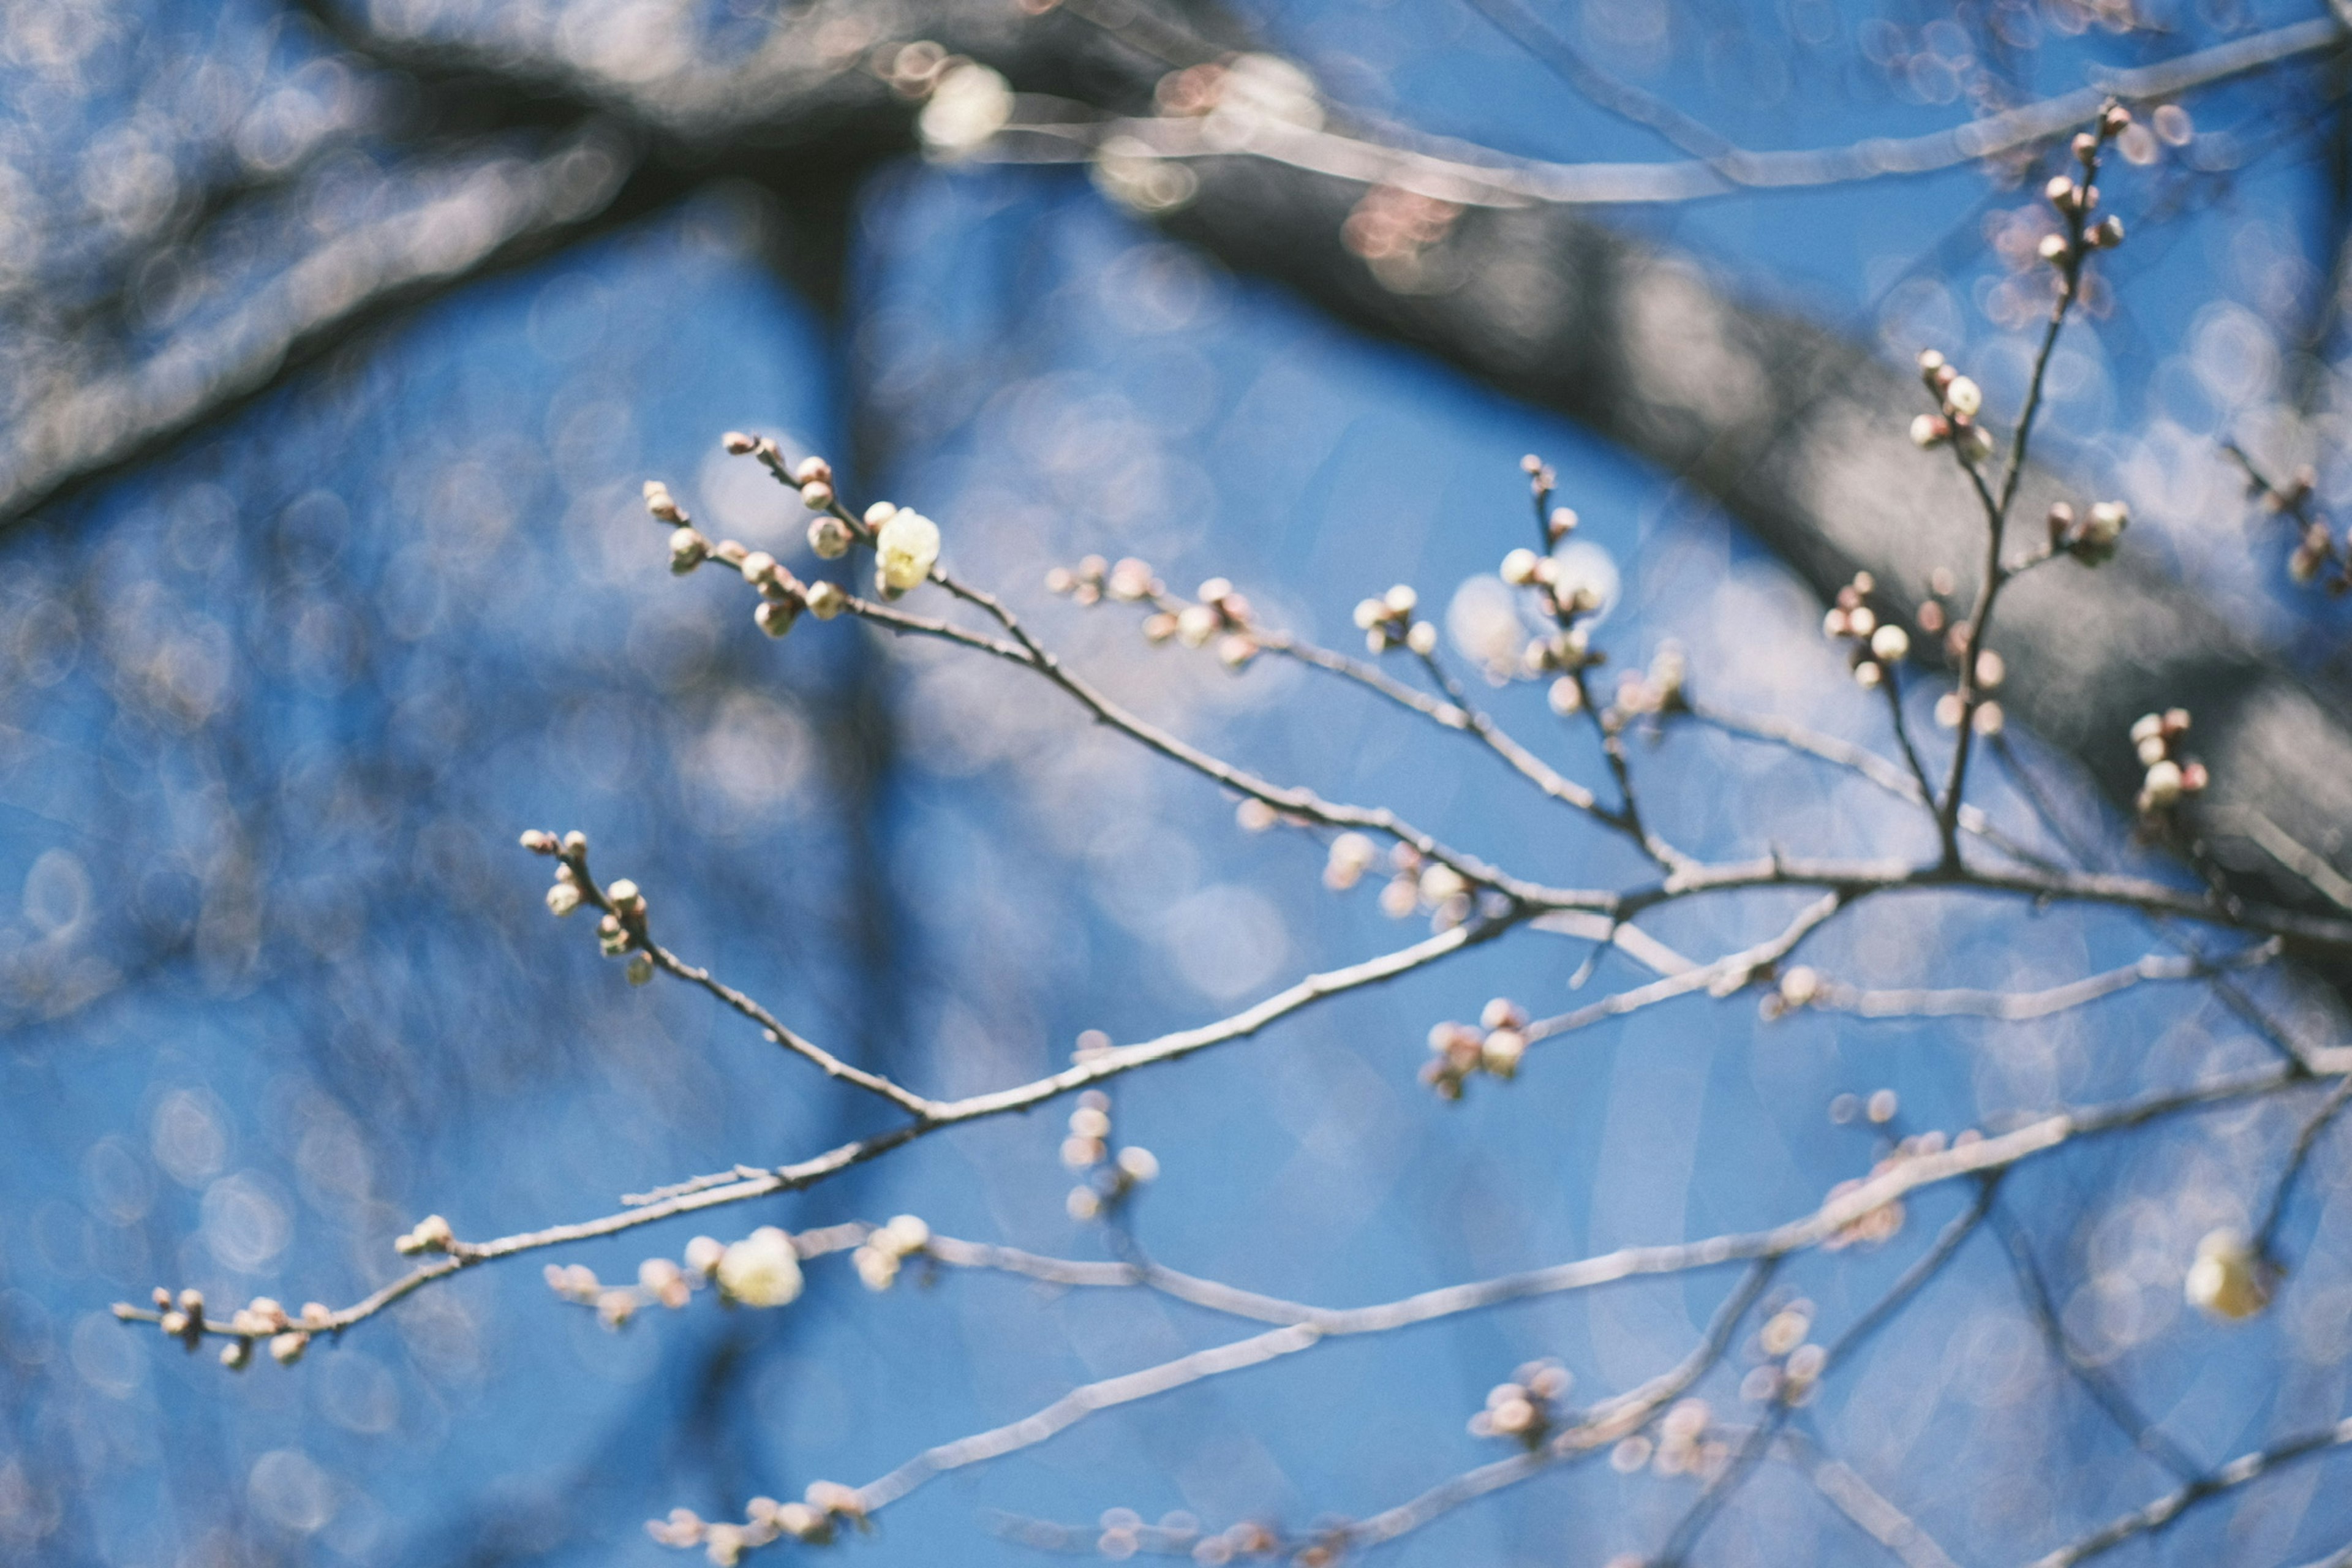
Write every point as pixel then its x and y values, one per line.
pixel 776 616
pixel 1890 643
pixel 539 842
pixel 1931 362
pixel 1929 430
pixel 1138 1164
pixel 286 1348
pixel 737 442
pixel 432 1234
pixel 641 968
pixel 562 899
pixel 660 503
pixel 1963 397
pixel 2055 248
pixel 1502 1013
pixel 816 496
pixel 1519 568
pixel 703 1253
pixel 1351 856
pixel 2161 788
pixel 1423 638
pixel 825 600
pixel 829 537
pixel 2108 234
pixel 238 1354
pixel 2229 1279
pixel 876 1270
pixel 1565 697
pixel 811 470
pixel 1501 1051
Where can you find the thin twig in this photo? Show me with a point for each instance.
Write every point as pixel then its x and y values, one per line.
pixel 1751 1453
pixel 1721 977
pixel 2168 1509
pixel 2116 1405
pixel 2019 1005
pixel 1477 176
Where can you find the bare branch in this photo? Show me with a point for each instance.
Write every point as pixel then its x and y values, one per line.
pixel 2015 1007
pixel 2112 1401
pixel 1723 977
pixel 1475 176
pixel 2168 1509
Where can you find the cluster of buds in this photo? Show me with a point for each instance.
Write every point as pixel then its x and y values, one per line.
pixel 1882 1224
pixel 2316 550
pixel 879 1260
pixel 1684 1447
pixel 1988 718
pixel 1414 883
pixel 687 546
pixel 623 929
pixel 1789 1366
pixel 783 596
pixel 1565 651
pixel 564 895
pixel 2092 537
pixel 815 1522
pixel 1111 1174
pixel 1960 400
pixel 1875 645
pixel 2231 1277
pixel 1663 689
pixel 1527 1409
pixel 263 1320
pixel 1524 568
pixel 2170 777
pixel 1390 227
pixel 1218 612
pixel 1495 1046
pixel 1129 582
pixel 660 1283
pixel 432 1233
pixel 1388 621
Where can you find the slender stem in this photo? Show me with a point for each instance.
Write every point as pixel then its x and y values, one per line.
pixel 1997 509
pixel 1721 1490
pixel 2111 1400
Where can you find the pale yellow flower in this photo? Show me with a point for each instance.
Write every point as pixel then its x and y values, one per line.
pixel 906 548
pixel 761 1269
